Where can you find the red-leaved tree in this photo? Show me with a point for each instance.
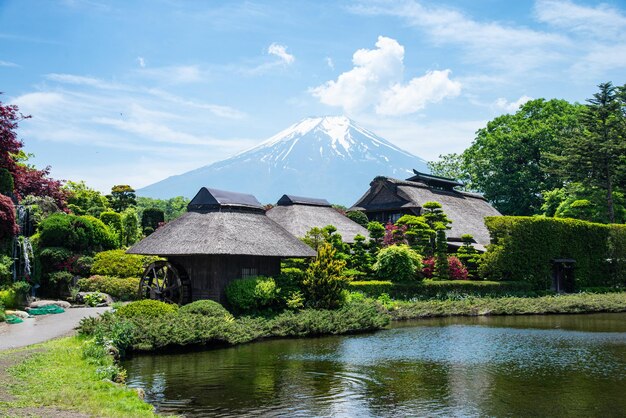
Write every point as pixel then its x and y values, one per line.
pixel 8 227
pixel 27 180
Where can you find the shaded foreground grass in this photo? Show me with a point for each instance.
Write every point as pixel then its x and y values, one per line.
pixel 474 306
pixel 53 379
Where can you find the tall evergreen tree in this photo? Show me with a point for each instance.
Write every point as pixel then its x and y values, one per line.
pixel 595 155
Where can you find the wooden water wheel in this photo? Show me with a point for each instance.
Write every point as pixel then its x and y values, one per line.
pixel 165 281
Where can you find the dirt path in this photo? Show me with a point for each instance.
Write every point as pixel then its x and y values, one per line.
pixel 44 328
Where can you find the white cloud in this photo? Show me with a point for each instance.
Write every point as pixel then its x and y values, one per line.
pixel 412 97
pixel 8 64
pixel 492 43
pixel 330 63
pixel 376 80
pixel 281 52
pixel 602 21
pixel 511 107
pixel 141 61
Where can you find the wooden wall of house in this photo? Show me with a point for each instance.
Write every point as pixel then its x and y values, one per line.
pixel 210 274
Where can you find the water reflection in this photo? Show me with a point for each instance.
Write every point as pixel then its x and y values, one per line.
pixel 515 366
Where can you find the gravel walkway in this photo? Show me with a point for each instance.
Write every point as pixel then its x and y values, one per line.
pixel 43 328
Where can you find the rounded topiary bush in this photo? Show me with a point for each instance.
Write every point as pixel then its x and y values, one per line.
pixel 206 308
pixel 146 308
pixel 398 263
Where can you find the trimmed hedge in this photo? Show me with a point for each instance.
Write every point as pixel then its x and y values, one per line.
pixel 522 248
pixel 439 288
pixel 146 308
pixel 119 288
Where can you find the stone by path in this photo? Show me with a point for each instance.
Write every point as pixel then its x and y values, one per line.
pixel 43 328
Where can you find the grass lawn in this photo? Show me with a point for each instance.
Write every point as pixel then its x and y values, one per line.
pixel 473 306
pixel 54 380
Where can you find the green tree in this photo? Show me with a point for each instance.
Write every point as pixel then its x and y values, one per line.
pixel 151 218
pixel 510 159
pixel 451 166
pixel 324 281
pixel 122 197
pixel 586 203
pixel 442 268
pixel 398 263
pixel 360 259
pixel 130 227
pixel 595 155
pixel 418 234
pixel 83 200
pixel 377 233
pixel 113 220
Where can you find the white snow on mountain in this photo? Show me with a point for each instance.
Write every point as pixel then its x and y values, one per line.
pixel 329 157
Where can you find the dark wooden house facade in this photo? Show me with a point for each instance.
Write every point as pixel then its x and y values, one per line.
pixel 223 236
pixel 388 199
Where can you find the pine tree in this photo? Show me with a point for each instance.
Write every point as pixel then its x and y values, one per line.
pixel 595 154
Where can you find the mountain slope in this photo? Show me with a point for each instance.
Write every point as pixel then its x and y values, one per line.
pixel 328 157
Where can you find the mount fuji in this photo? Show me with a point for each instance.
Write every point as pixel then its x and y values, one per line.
pixel 328 157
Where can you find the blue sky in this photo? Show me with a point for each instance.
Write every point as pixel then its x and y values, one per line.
pixel 132 92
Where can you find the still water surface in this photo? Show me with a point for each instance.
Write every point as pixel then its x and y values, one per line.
pixel 552 366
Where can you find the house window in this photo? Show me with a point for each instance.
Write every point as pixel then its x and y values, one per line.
pixel 394 217
pixel 249 272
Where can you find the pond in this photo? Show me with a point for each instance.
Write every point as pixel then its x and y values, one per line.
pixel 572 365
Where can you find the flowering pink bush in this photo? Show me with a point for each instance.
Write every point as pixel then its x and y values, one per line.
pixel 457 269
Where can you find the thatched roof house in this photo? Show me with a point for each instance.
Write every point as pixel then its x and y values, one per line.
pixel 222 237
pixel 299 215
pixel 388 199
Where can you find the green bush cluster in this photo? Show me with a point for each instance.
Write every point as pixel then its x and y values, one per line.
pixel 189 326
pixel 14 296
pixel 440 288
pixel 523 247
pixel 146 308
pixel 252 294
pixel 119 264
pixel 123 289
pixel 398 263
pixel 75 233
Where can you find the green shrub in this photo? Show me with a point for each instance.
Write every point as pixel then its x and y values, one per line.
pixel 113 220
pixel 9 298
pixel 3 316
pixel 206 308
pixel 94 299
pixel 398 263
pixel 522 248
pixel 61 278
pixel 252 294
pixel 324 281
pixel 76 233
pixel 119 264
pixel 146 308
pixel 6 274
pixel 358 217
pixel 83 264
pixel 119 288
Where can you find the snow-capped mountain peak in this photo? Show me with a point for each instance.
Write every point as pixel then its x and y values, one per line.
pixel 330 157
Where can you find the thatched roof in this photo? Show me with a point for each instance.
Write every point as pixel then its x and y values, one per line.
pixel 466 210
pixel 298 216
pixel 289 199
pixel 236 226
